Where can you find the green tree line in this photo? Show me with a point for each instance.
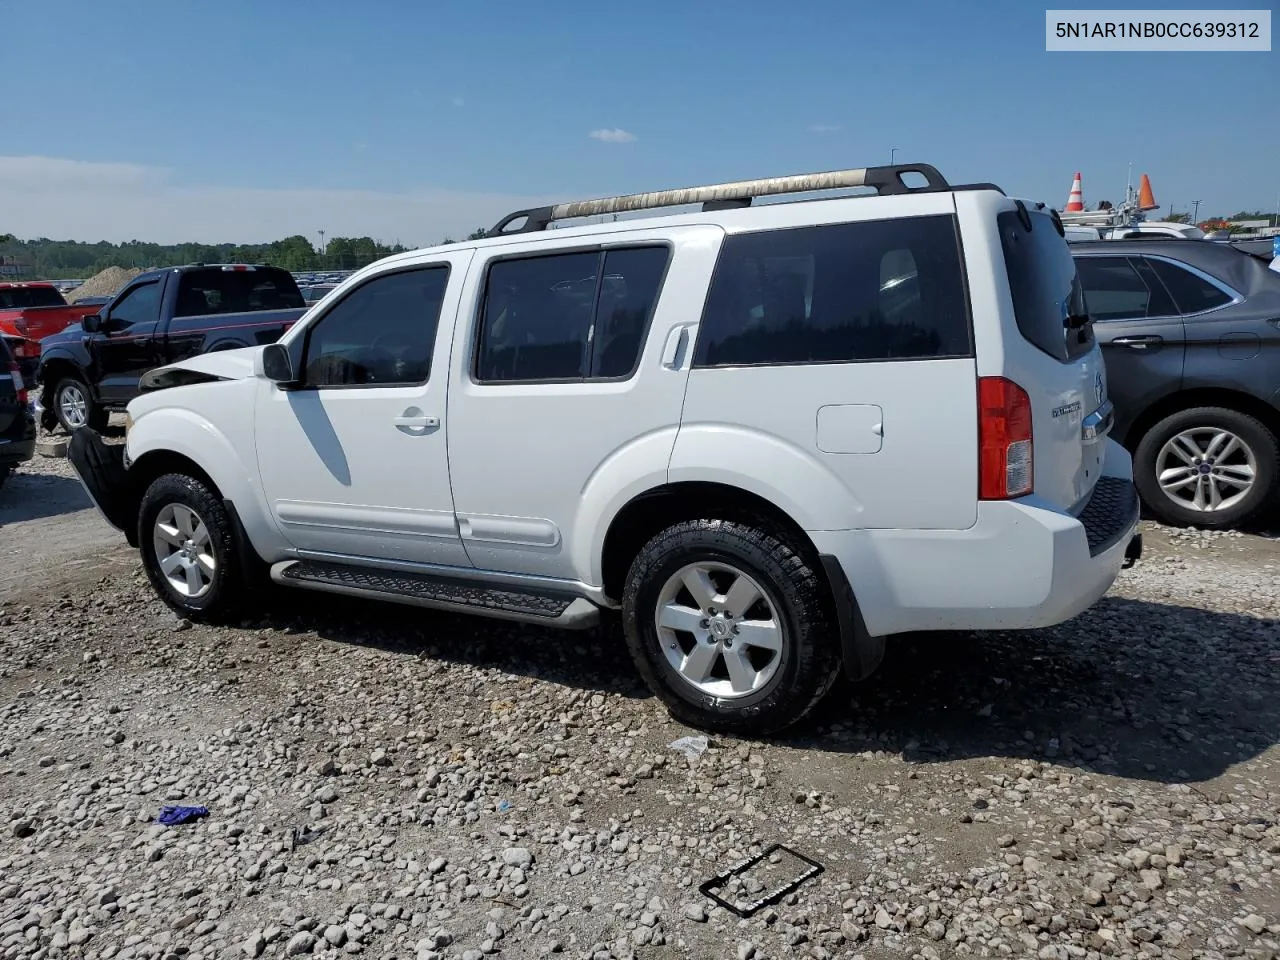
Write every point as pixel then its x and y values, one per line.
pixel 46 259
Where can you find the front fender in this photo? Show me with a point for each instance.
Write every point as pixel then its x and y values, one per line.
pixel 760 463
pixel 182 431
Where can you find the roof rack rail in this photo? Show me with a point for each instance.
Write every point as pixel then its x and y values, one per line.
pixel 725 196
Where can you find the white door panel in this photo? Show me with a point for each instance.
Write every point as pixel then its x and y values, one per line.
pixel 524 455
pixel 363 470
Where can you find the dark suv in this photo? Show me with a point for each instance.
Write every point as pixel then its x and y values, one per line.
pixel 17 425
pixel 1191 334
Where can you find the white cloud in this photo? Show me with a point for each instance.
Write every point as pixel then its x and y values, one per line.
pixel 824 128
pixel 79 200
pixel 616 135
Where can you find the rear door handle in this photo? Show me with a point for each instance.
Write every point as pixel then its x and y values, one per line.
pixel 416 421
pixel 674 349
pixel 1138 343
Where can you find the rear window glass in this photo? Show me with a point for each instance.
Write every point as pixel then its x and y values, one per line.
pixel 20 298
pixel 202 292
pixel 1045 287
pixel 841 293
pixel 1192 294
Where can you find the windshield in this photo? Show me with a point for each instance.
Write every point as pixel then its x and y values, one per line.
pixel 1045 287
pixel 20 298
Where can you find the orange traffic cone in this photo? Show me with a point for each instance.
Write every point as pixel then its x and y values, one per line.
pixel 1075 202
pixel 1146 199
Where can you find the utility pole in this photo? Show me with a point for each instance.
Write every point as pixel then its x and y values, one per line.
pixel 1195 217
pixel 892 152
pixel 322 249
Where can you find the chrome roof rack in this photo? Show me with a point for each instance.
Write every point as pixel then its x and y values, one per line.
pixel 740 193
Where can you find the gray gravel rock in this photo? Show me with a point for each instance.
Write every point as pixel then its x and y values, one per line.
pixel 385 782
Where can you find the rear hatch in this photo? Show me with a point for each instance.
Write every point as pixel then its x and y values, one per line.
pixel 1054 358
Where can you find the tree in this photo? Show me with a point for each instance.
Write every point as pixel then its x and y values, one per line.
pixel 1178 218
pixel 478 234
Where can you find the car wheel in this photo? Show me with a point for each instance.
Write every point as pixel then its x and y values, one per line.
pixel 1207 467
pixel 188 549
pixel 731 626
pixel 74 406
pixel 5 474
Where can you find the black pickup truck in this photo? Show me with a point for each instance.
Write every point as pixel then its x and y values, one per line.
pixel 161 317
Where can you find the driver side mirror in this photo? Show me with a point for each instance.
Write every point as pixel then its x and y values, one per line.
pixel 92 323
pixel 276 365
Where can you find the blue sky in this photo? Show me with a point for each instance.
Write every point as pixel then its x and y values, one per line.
pixel 245 120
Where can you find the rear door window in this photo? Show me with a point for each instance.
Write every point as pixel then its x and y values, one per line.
pixel 214 290
pixel 1044 284
pixel 1191 293
pixel 839 293
pixel 1116 289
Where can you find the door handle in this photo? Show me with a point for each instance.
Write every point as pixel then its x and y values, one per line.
pixel 1138 343
pixel 673 349
pixel 416 421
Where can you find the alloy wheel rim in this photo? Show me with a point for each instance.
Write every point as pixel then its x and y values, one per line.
pixel 72 403
pixel 1206 469
pixel 719 630
pixel 184 551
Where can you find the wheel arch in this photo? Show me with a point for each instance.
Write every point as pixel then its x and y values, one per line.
pixel 657 508
pixel 1173 403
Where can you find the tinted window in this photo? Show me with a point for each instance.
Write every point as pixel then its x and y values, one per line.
pixel 1114 289
pixel 1192 294
pixel 215 290
pixel 139 305
pixel 1044 285
pixel 568 316
pixel 381 333
pixel 880 290
pixel 19 298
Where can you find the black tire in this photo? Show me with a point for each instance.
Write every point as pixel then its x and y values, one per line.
pixel 809 658
pixel 95 415
pixel 228 588
pixel 1261 444
pixel 5 473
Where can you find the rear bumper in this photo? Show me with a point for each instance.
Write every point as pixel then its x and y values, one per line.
pixel 1024 564
pixel 100 468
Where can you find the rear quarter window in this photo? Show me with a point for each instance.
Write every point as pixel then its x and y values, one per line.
pixel 1044 285
pixel 838 293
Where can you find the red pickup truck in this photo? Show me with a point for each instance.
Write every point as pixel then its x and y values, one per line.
pixel 29 312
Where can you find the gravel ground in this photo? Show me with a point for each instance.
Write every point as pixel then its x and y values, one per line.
pixel 395 783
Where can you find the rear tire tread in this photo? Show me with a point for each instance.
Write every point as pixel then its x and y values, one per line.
pixel 810 623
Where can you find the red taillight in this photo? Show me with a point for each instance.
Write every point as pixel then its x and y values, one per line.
pixel 20 325
pixel 16 372
pixel 1004 439
pixel 24 349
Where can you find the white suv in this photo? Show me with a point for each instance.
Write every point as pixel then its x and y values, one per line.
pixel 770 435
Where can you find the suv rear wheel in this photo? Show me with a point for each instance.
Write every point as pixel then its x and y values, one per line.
pixel 1207 467
pixel 188 549
pixel 730 625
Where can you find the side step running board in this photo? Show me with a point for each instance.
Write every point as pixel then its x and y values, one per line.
pixel 440 593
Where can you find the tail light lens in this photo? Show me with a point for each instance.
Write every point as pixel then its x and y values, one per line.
pixel 1004 440
pixel 20 324
pixel 16 372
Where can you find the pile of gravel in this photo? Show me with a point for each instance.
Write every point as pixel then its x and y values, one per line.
pixel 104 284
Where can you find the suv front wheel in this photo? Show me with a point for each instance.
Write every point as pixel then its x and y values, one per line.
pixel 730 625
pixel 1207 467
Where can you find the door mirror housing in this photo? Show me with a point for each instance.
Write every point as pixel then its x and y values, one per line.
pixel 276 365
pixel 92 323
